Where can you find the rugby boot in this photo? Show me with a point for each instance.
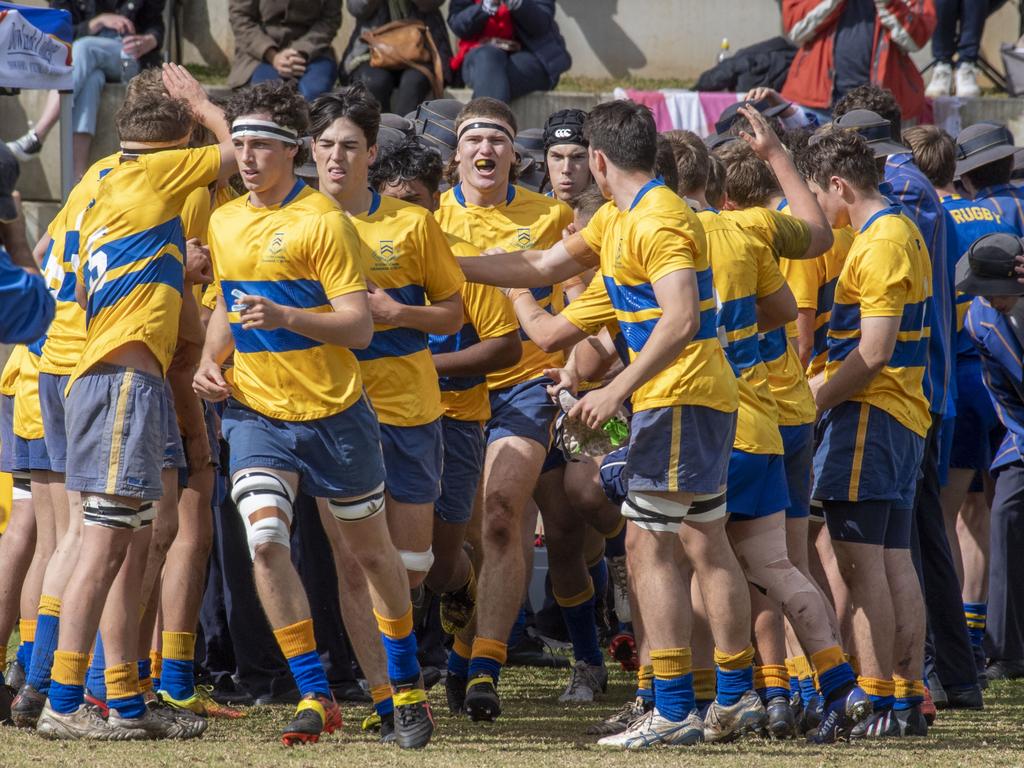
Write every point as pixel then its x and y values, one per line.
pixel 533 652
pixel 314 715
pixel 652 730
pixel 1005 669
pixel 157 722
pixel 812 715
pixel 414 722
pixel 27 707
pixel 84 723
pixel 7 694
pixel 722 723
pixel 383 724
pixel 201 703
pixel 878 725
pixel 14 675
pixel 623 649
pixel 781 720
pixel 585 682
pixel 455 693
pixel 841 716
pixel 912 721
pixel 482 702
pixel 619 721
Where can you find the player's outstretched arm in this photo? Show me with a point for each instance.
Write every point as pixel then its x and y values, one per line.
pixel 440 318
pixel 549 332
pixel 530 269
pixel 802 202
pixel 486 356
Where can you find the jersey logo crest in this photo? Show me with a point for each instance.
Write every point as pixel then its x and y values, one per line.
pixel 523 238
pixel 385 257
pixel 276 250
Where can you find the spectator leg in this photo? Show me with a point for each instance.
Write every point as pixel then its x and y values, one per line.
pixel 319 78
pixel 972 23
pixel 526 74
pixel 379 82
pixel 947 13
pixel 485 70
pixel 413 88
pixel 953 658
pixel 264 73
pixel 1005 630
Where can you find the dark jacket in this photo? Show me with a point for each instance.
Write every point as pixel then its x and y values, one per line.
pixel 374 13
pixel 536 31
pixel 146 15
pixel 762 64
pixel 308 26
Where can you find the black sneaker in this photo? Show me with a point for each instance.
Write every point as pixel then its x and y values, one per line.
pixel 1005 669
pixel 414 723
pixel 879 725
pixel 26 147
pixel 964 697
pixel 781 721
pixel 912 721
pixel 533 652
pixel 455 693
pixel 811 716
pixel 482 702
pixel 387 728
pixel 979 666
pixel 27 706
pixel 316 714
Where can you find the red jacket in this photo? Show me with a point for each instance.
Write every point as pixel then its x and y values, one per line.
pixel 901 27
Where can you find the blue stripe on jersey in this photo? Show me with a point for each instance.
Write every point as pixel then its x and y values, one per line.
pixel 36 347
pixel 459 383
pixel 394 342
pixel 915 314
pixel 743 353
pixel 454 342
pixel 630 298
pixel 135 247
pixel 826 296
pixel 736 314
pixel 410 295
pixel 302 294
pixel 845 317
pixel 907 354
pixel 278 340
pixel 708 325
pixel 773 345
pixel 622 347
pixel 165 270
pixel 820 340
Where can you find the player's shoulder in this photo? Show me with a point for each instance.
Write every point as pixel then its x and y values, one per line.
pixel 527 199
pixel 460 247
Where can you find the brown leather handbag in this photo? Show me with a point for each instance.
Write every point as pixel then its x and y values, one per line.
pixel 406 44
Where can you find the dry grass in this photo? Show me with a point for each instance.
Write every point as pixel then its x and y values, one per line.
pixel 536 731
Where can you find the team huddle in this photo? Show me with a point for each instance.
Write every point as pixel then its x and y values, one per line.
pixel 719 375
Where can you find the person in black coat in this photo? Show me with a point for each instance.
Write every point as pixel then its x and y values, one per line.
pixel 508 48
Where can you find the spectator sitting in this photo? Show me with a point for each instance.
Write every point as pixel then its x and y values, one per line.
pixel 970 16
pixel 112 41
pixel 508 48
pixel 285 40
pixel 402 89
pixel 858 42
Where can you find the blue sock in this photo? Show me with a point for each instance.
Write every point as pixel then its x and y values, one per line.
pixel 306 669
pixel 675 699
pixel 732 684
pixel 645 694
pixel 65 699
pixel 616 545
pixel 794 686
pixel 95 682
pixel 976 615
pixel 808 693
pixel 599 576
pixel 47 630
pixel 774 692
pixel 385 707
pixel 24 654
pixel 129 706
pixel 518 629
pixel 403 666
pixel 879 703
pixel 458 664
pixel 177 678
pixel 836 680
pixel 480 665
pixel 579 620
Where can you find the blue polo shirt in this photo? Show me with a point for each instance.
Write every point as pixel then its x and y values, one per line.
pixel 905 183
pixel 27 305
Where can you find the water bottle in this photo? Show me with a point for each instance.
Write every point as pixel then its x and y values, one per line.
pixel 723 50
pixel 129 65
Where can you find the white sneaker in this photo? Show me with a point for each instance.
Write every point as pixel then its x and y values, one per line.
pixel 942 81
pixel 620 578
pixel 967 80
pixel 84 723
pixel 585 682
pixel 722 723
pixel 653 729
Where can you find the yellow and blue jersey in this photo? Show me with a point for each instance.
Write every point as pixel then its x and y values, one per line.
pixel 132 245
pixel 657 235
pixel 969 220
pixel 526 220
pixel 887 273
pixel 744 271
pixel 301 253
pixel 28 418
pixel 405 254
pixel 787 238
pixel 1006 201
pixel 486 314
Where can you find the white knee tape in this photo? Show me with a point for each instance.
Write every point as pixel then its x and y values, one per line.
pixel 707 507
pixel 653 512
pixel 20 494
pixel 109 514
pixel 147 513
pixel 361 508
pixel 22 487
pixel 417 561
pixel 265 503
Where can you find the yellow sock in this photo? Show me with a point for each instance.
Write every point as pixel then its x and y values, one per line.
pixel 733 662
pixel 69 667
pixel 874 686
pixel 485 648
pixel 827 658
pixel 704 684
pixel 670 663
pixel 27 630
pixel 178 645
pixel 791 668
pixel 380 693
pixel 645 677
pixel 49 605
pixel 395 628
pixel 156 662
pixel 905 689
pixel 295 639
pixel 775 676
pixel 122 680
pixel 461 647
pixel 759 682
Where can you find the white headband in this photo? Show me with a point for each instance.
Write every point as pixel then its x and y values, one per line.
pixel 263 129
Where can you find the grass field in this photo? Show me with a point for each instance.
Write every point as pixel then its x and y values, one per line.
pixel 536 731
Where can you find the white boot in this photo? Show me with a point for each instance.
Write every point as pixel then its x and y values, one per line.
pixel 967 80
pixel 942 81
